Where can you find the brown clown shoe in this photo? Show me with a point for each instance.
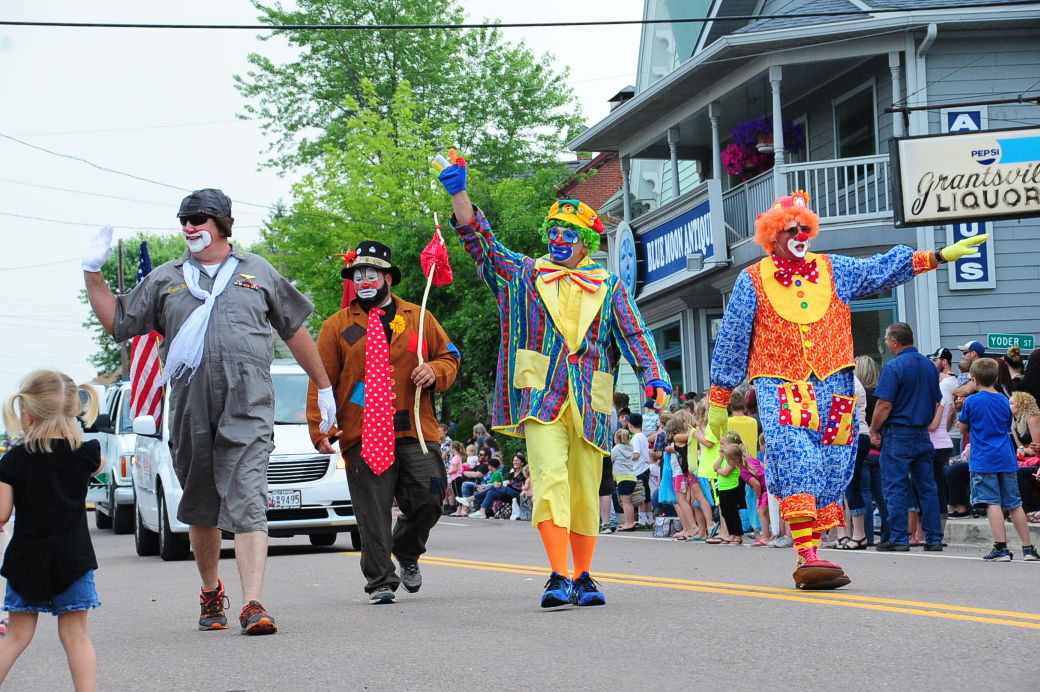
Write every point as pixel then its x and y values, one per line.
pixel 835 583
pixel 819 574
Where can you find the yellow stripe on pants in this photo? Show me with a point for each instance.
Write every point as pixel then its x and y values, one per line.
pixel 565 472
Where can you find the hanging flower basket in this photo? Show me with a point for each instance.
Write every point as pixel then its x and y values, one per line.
pixel 752 147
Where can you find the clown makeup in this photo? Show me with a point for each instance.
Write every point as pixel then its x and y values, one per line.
pixel 562 243
pixel 367 282
pixel 197 236
pixel 792 242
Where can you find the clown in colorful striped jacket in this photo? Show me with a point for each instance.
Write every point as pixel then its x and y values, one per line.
pixel 566 322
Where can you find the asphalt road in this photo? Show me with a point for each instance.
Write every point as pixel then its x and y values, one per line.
pixel 679 616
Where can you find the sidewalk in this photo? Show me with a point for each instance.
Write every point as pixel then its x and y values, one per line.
pixel 976 532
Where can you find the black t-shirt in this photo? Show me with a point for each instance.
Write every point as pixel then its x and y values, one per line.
pixel 50 547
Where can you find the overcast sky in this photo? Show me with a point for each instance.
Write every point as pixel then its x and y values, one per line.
pixel 161 105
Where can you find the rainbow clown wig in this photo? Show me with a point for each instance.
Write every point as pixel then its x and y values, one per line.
pixel 794 207
pixel 570 213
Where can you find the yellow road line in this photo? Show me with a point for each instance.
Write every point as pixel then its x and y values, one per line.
pixel 820 598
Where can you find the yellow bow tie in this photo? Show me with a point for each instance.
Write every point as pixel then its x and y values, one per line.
pixel 588 279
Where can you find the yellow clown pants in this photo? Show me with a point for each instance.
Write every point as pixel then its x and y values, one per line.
pixel 566 471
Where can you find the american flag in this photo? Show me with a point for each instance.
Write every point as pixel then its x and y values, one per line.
pixel 145 368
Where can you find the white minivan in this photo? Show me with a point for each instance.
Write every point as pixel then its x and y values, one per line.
pixel 307 490
pixel 114 509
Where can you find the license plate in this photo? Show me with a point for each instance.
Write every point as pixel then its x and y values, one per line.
pixel 284 499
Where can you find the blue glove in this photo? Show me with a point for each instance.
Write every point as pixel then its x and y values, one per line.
pixel 658 390
pixel 660 384
pixel 453 178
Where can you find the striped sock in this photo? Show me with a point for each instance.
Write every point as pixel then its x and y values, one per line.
pixel 802 533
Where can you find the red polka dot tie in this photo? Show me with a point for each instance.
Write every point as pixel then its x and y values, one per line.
pixel 377 425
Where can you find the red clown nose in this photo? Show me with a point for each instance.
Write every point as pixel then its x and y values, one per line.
pixel 802 237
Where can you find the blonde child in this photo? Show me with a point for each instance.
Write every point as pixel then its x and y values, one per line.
pixel 728 467
pixel 624 476
pixel 705 449
pixel 676 441
pixel 754 474
pixel 50 561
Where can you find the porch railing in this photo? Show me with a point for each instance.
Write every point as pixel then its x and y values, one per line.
pixel 845 189
pixel 741 204
pixel 841 190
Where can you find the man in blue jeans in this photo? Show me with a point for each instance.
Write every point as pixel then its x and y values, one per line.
pixel 907 396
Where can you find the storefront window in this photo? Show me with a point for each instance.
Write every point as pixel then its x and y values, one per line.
pixel 870 318
pixel 669 349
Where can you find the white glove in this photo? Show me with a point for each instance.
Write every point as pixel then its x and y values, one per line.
pixel 327 407
pixel 99 250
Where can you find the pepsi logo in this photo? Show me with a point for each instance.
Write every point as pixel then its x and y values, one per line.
pixel 985 157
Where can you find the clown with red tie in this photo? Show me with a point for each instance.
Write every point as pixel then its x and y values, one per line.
pixel 565 323
pixel 788 328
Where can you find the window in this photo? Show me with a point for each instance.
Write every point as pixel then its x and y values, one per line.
pixel 870 317
pixel 669 349
pixel 290 398
pixel 126 422
pixel 854 123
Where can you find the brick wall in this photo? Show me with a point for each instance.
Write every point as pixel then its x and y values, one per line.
pixel 596 189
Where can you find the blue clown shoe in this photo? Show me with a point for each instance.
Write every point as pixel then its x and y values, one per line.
pixel 586 591
pixel 559 590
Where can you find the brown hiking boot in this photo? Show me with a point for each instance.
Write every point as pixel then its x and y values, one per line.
pixel 213 604
pixel 255 620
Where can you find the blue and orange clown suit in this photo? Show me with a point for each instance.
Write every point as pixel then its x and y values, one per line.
pixel 563 332
pixel 787 328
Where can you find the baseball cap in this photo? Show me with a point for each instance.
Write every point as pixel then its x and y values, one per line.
pixel 210 201
pixel 943 353
pixel 973 346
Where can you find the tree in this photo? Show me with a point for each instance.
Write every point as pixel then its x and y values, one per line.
pixel 377 184
pixel 494 100
pixel 161 248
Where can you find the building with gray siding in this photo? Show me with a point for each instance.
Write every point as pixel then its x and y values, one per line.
pixel 688 221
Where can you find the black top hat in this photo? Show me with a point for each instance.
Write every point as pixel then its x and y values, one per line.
pixel 372 254
pixel 209 201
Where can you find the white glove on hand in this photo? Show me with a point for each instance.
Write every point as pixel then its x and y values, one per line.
pixel 99 250
pixel 327 407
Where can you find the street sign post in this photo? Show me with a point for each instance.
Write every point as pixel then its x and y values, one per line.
pixel 1026 342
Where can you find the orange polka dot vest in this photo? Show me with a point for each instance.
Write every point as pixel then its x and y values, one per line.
pixel 798 329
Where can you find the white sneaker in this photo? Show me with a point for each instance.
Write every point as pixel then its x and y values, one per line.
pixel 465 501
pixel 782 542
pixel 479 514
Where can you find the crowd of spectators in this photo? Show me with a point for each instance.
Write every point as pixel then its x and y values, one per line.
pixel 668 473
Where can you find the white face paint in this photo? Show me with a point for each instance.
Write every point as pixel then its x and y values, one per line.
pixel 198 240
pixel 367 282
pixel 797 248
pixel 792 242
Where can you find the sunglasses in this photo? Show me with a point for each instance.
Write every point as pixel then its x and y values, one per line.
pixel 569 235
pixel 797 229
pixel 194 219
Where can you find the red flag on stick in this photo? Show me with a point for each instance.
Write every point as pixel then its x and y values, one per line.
pixel 437 269
pixel 435 257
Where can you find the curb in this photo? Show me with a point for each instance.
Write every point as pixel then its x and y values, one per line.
pixel 977 532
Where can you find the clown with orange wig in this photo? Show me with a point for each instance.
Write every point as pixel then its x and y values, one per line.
pixel 788 329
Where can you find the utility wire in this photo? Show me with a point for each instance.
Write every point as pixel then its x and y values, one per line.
pixel 501 25
pixel 95 225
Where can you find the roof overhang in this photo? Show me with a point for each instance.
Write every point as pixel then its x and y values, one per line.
pixel 634 128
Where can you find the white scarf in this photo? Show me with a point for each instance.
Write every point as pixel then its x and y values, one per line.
pixel 185 352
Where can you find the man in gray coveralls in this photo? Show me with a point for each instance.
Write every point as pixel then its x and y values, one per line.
pixel 216 307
